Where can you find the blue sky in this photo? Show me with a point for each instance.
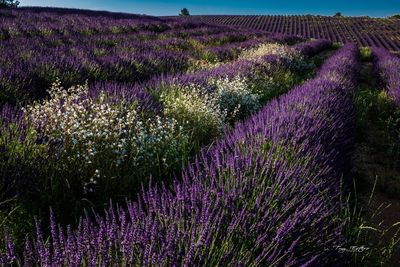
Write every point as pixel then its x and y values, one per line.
pixel 373 8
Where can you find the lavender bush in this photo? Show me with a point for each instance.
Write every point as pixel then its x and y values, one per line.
pixel 385 104
pixel 387 66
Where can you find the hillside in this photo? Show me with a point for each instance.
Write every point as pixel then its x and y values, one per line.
pixel 131 140
pixel 364 31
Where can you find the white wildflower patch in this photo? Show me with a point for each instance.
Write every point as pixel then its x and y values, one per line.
pixel 266 49
pixel 83 126
pixel 158 140
pixel 197 111
pixel 292 58
pixel 95 138
pixel 235 98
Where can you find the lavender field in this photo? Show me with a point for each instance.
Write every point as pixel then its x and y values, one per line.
pixel 133 140
pixel 364 31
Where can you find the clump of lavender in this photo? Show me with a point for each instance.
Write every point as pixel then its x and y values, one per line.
pixel 387 66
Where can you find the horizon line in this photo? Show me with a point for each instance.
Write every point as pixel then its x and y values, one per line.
pixel 208 14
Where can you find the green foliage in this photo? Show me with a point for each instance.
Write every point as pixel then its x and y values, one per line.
pixel 209 57
pixel 336 45
pixel 17 219
pixel 376 106
pixel 338 14
pixel 20 158
pixel 197 112
pixel 268 86
pixel 22 161
pixel 365 54
pixel 235 98
pixel 369 244
pixel 184 12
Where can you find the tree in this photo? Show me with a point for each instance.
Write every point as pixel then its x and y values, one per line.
pixel 397 16
pixel 184 12
pixel 8 3
pixel 338 14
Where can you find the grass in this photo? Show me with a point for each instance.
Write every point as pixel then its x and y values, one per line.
pixel 372 240
pixel 373 209
pixel 365 54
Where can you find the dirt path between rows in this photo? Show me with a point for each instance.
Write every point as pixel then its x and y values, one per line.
pixel 376 177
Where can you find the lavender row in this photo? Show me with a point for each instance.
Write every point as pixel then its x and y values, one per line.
pixel 387 67
pixel 364 31
pixel 266 194
pixel 312 48
pixel 42 22
pixel 231 51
